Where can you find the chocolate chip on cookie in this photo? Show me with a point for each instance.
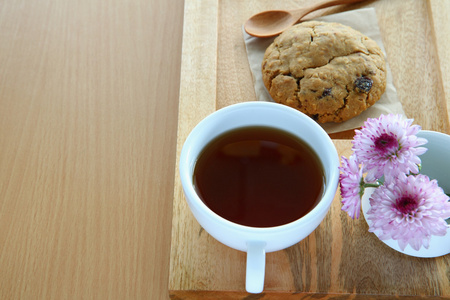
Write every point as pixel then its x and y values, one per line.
pixel 363 84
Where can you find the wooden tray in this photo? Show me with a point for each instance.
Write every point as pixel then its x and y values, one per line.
pixel 340 259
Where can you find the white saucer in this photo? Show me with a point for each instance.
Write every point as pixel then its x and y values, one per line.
pixel 439 245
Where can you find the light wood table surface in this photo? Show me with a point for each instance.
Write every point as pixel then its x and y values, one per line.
pixel 88 118
pixel 89 94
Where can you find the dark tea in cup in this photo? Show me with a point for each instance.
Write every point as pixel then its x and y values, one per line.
pixel 259 176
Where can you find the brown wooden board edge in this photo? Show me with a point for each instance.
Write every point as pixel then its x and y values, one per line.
pixel 196 86
pixel 230 295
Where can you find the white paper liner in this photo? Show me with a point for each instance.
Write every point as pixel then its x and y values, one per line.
pixel 365 21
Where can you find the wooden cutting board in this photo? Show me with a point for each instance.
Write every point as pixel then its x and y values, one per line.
pixel 340 259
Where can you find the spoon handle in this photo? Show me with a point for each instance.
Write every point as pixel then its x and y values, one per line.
pixel 301 12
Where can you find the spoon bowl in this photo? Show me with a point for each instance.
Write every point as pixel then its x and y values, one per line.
pixel 273 22
pixel 258 25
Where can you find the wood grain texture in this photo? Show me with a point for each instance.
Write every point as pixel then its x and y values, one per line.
pixel 197 94
pixel 88 119
pixel 438 11
pixel 340 259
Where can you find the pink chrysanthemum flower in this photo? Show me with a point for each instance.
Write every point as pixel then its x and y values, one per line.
pixel 351 182
pixel 388 146
pixel 409 209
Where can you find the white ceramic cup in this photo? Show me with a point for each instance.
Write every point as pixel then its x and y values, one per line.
pixel 257 241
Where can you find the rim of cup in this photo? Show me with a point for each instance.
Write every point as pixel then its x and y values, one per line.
pixel 187 166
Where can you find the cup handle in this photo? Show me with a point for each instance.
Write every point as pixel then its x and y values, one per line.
pixel 256 265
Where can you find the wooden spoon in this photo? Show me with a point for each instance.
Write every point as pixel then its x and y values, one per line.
pixel 273 22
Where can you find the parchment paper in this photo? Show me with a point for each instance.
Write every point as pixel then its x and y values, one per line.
pixel 363 20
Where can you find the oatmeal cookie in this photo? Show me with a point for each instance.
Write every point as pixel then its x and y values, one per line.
pixel 328 71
